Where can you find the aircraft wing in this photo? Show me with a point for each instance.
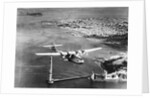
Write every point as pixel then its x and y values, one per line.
pixel 49 46
pixel 48 54
pixel 91 50
pixel 65 53
pixel 85 50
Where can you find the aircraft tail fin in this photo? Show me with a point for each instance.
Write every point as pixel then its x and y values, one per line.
pixel 53 46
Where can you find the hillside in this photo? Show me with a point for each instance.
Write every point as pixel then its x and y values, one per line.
pixel 103 26
pixel 114 30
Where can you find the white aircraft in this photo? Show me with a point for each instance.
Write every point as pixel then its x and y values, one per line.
pixel 71 56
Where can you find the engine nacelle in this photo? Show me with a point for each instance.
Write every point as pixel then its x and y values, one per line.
pixel 80 53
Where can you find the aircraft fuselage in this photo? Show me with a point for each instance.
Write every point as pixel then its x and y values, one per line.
pixel 74 58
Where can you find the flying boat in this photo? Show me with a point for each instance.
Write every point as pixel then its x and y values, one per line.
pixel 71 56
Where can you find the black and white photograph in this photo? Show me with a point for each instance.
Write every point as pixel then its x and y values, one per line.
pixel 71 47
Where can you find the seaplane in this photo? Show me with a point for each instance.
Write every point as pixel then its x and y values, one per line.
pixel 71 56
